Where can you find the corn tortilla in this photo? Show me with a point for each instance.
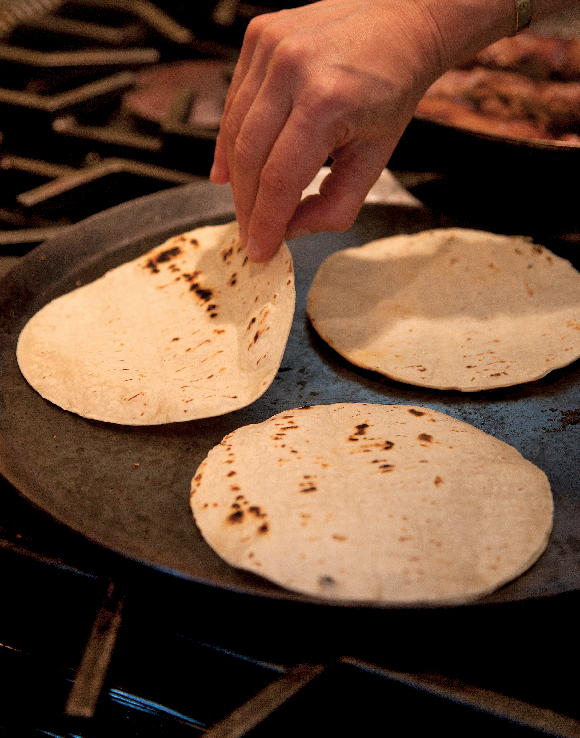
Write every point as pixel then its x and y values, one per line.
pixel 384 504
pixel 450 309
pixel 190 330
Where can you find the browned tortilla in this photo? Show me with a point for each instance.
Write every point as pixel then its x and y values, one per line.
pixel 385 504
pixel 192 329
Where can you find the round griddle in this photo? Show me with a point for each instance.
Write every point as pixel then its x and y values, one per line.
pixel 127 488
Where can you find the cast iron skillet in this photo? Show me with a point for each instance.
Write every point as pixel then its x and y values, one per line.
pixel 508 185
pixel 127 488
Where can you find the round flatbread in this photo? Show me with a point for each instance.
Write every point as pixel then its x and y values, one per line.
pixel 192 329
pixel 450 309
pixel 384 504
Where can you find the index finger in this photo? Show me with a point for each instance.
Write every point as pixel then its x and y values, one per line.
pixel 220 173
pixel 296 156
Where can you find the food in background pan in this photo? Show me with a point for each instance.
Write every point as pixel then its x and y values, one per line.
pixel 384 504
pixel 450 308
pixel 192 329
pixel 524 87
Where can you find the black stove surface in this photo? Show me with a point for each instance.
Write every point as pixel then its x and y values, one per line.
pixel 92 644
pixel 186 659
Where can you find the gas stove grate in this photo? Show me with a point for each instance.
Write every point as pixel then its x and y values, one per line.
pixel 160 658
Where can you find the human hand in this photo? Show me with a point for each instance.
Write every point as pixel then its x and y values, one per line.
pixel 336 79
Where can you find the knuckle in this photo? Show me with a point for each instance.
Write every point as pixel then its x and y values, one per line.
pixel 291 56
pixel 266 33
pixel 256 26
pixel 325 100
pixel 290 52
pixel 331 87
pixel 230 127
pixel 243 151
pixel 259 22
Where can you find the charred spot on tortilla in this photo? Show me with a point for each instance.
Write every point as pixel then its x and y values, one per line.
pixel 255 510
pixel 326 581
pixel 236 517
pixel 227 253
pixel 73 349
pixel 167 255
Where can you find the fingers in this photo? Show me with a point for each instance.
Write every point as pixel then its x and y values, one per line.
pixel 288 158
pixel 255 124
pixel 294 101
pixel 341 194
pixel 220 173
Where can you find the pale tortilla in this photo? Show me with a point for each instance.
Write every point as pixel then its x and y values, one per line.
pixel 192 329
pixel 386 504
pixel 453 308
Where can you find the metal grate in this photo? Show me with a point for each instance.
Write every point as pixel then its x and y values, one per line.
pixel 15 12
pixel 151 655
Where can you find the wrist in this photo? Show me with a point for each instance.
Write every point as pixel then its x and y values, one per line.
pixel 461 28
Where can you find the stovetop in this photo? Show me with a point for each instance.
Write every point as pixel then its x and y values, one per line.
pixel 96 645
pixel 92 644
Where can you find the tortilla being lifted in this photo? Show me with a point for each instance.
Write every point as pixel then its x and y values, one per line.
pixel 190 330
pixel 450 308
pixel 385 504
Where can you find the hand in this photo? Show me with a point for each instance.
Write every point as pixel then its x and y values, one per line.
pixel 336 79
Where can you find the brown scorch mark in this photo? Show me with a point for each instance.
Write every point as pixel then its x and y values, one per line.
pixel 167 255
pixel 327 581
pixel 203 293
pixel 307 485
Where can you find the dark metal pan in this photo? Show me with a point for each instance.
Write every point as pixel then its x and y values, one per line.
pixel 127 488
pixel 511 185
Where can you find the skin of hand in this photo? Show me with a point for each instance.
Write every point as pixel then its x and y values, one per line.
pixel 339 80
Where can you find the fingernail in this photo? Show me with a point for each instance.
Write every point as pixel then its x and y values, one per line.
pixel 297 233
